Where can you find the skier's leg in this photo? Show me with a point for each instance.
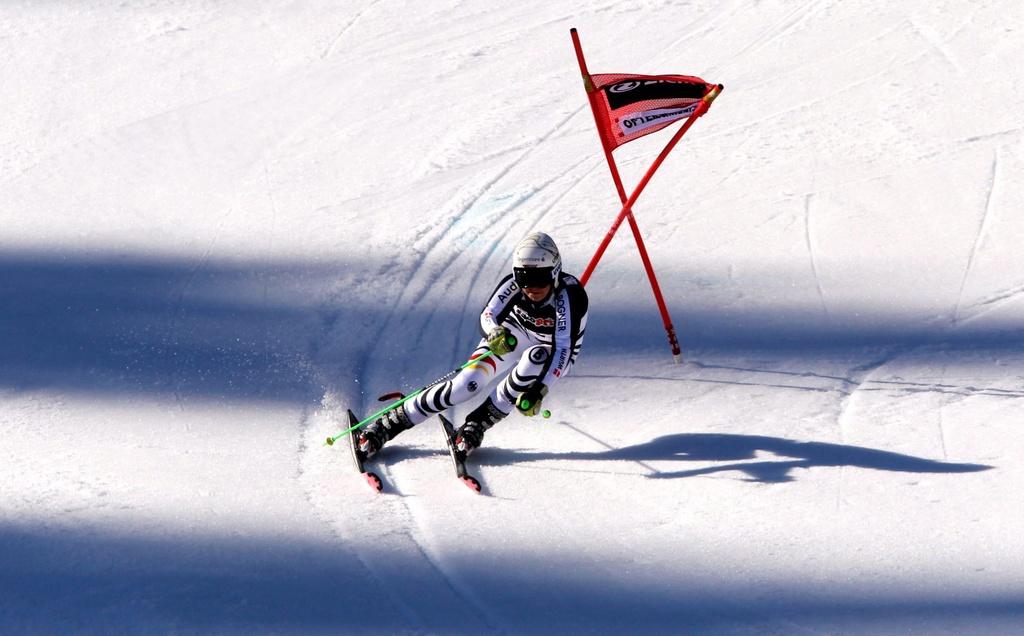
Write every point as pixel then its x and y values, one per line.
pixel 383 429
pixel 464 386
pixel 502 400
pixel 524 375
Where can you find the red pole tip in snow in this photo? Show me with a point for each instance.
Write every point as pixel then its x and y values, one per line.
pixel 674 343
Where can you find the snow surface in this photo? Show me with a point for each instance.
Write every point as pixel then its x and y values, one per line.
pixel 224 223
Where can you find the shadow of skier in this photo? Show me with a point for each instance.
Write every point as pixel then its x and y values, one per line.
pixel 736 451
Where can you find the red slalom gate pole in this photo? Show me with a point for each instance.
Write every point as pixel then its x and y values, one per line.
pixel 627 209
pixel 628 204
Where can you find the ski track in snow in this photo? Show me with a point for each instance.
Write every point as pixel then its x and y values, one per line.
pixel 940 47
pixel 840 385
pixel 407 525
pixel 980 235
pixel 942 421
pixel 705 24
pixel 857 377
pixel 462 208
pixel 795 107
pixel 994 302
pixel 809 240
pixel 733 382
pixel 871 41
pixel 329 50
pixel 999 134
pixel 779 28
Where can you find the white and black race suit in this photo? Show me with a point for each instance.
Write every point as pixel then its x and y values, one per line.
pixel 549 337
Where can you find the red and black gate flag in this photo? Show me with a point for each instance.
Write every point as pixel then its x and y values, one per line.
pixel 629 106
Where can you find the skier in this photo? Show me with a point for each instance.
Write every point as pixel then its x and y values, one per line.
pixel 544 310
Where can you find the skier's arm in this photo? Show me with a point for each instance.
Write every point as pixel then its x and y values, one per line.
pixel 570 323
pixel 498 305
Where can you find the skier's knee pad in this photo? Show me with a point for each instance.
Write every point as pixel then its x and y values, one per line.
pixel 538 354
pixel 469 381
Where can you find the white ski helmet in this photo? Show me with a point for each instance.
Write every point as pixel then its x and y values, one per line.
pixel 536 261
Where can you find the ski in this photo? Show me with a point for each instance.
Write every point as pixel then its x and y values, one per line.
pixel 458 457
pixel 359 457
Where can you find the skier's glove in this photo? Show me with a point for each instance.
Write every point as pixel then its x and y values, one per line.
pixel 500 341
pixel 529 403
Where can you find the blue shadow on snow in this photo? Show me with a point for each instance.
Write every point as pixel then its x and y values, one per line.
pixel 735 451
pixel 130 324
pixel 80 580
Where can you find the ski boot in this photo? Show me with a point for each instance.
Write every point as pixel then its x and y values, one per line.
pixel 382 430
pixel 471 434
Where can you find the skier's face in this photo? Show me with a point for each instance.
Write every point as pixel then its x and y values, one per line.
pixel 537 294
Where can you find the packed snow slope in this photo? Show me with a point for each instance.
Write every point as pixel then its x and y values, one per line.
pixel 222 224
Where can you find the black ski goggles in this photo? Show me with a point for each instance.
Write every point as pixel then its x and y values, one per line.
pixel 533 276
